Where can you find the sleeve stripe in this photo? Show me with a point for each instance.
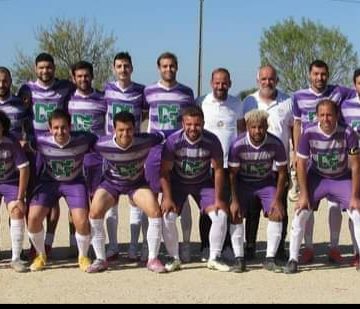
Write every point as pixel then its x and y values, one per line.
pixel 302 156
pixel 23 165
pixel 281 163
pixel 232 164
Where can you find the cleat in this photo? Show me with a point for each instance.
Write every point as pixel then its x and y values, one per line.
pixel 19 266
pixel 156 266
pixel 205 252
pixel 270 264
pixel 97 266
pixel 173 265
pixel 335 256
pixel 84 263
pixel 185 253
pixel 307 256
pixel 291 267
pixel 239 266
pixel 39 263
pixel 218 265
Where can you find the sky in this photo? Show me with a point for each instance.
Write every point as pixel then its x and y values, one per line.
pixel 232 30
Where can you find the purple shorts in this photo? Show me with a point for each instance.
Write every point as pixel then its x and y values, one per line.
pixel 203 194
pixel 93 170
pixel 47 194
pixel 335 190
pixel 9 191
pixel 249 191
pixel 152 168
pixel 115 191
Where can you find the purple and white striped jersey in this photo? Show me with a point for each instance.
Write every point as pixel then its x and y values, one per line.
pixel 12 158
pixel 350 113
pixel 166 105
pixel 328 153
pixel 192 160
pixel 14 108
pixel 125 167
pixel 256 162
pixel 88 113
pixel 63 163
pixel 118 100
pixel 305 101
pixel 45 100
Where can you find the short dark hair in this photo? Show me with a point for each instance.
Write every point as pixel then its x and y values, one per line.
pixel 82 65
pixel 5 123
pixel 124 117
pixel 220 70
pixel 193 111
pixel 167 55
pixel 327 102
pixel 319 64
pixel 123 56
pixel 6 71
pixel 356 75
pixel 44 57
pixel 59 114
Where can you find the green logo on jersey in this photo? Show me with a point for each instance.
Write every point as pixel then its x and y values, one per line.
pixel 256 169
pixel 43 111
pixel 168 114
pixel 118 108
pixel 82 122
pixel 62 168
pixel 127 171
pixel 312 117
pixel 191 168
pixel 328 161
pixel 355 123
pixel 2 170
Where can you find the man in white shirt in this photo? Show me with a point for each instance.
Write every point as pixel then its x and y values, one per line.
pixel 223 117
pixel 279 107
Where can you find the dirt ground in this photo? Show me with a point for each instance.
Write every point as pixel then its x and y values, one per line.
pixel 63 282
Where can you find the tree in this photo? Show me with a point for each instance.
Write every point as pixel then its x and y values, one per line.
pixel 291 47
pixel 68 42
pixel 244 93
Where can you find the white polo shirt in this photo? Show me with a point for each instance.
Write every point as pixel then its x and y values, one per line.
pixel 280 119
pixel 221 118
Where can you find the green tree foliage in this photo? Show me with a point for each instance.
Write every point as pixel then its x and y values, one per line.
pixel 69 41
pixel 291 47
pixel 244 93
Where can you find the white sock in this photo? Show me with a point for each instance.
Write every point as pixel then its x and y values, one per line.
pixel 170 235
pixel 17 229
pixel 49 239
pixel 154 237
pixel 135 225
pixel 83 243
pixel 37 240
pixel 274 230
pixel 217 233
pixel 186 221
pixel 98 238
pixel 353 239
pixel 355 218
pixel 237 233
pixel 309 231
pixel 112 221
pixel 335 219
pixel 72 240
pixel 297 233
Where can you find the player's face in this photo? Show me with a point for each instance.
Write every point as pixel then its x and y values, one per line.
pixel 357 84
pixel 83 80
pixel 221 84
pixel 45 72
pixel 319 78
pixel 168 70
pixel 193 127
pixel 257 131
pixel 60 129
pixel 123 70
pixel 5 85
pixel 124 133
pixel 327 118
pixel 267 81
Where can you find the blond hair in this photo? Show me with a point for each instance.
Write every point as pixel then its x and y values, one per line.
pixel 256 115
